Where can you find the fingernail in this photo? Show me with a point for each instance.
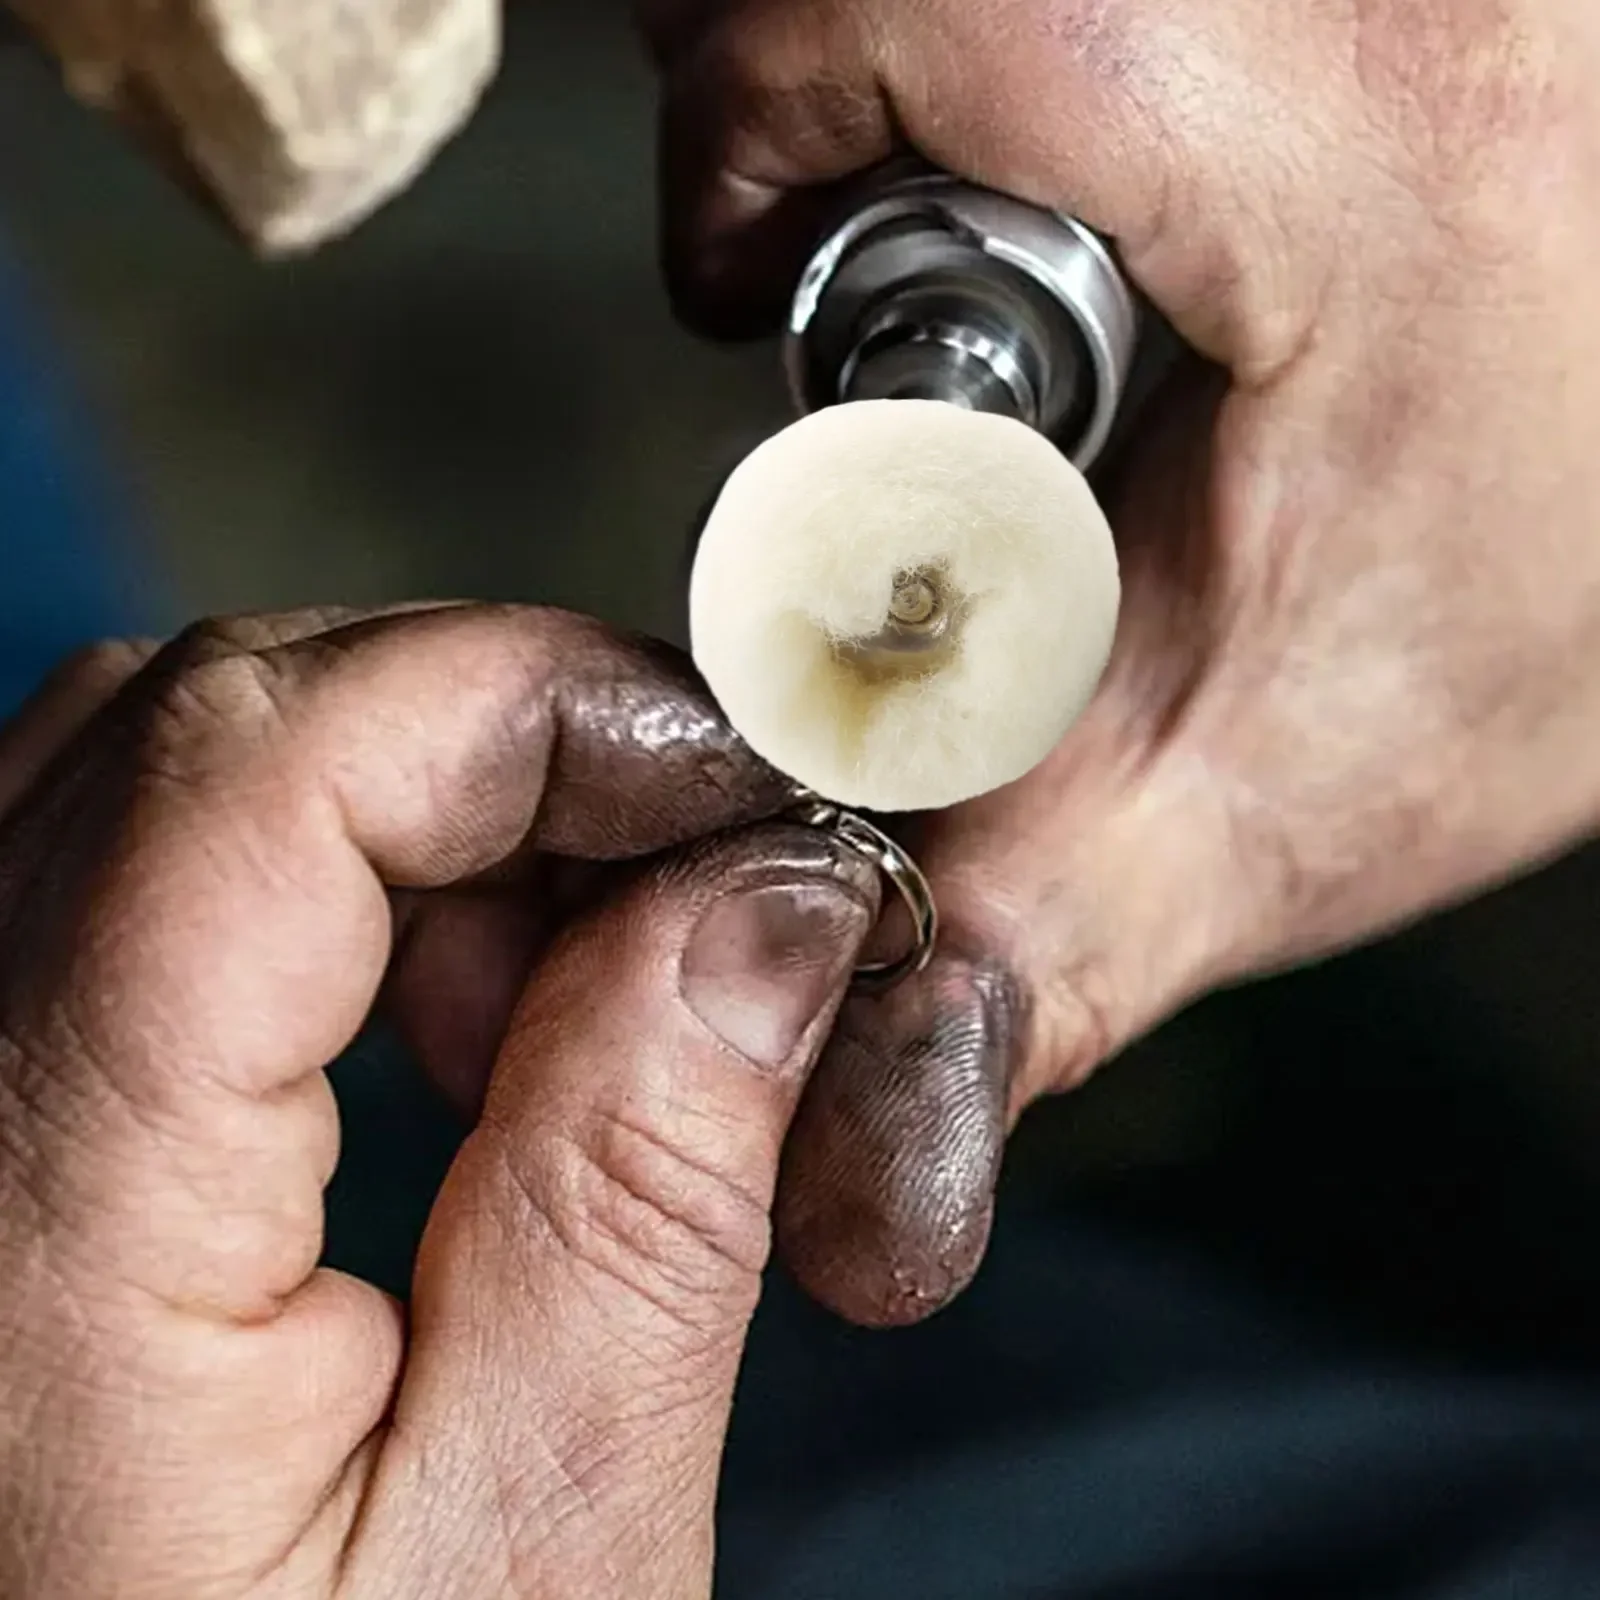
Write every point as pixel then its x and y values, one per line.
pixel 767 958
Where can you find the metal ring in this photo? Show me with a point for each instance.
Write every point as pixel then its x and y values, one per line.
pixel 895 863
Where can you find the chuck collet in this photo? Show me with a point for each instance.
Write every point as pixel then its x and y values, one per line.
pixel 935 289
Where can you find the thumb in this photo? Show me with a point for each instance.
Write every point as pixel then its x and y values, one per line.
pixel 591 1267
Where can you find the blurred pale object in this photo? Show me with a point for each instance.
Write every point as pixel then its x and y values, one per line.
pixel 296 119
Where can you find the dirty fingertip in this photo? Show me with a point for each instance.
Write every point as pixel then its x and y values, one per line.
pixel 887 1191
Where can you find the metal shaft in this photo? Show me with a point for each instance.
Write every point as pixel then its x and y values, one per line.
pixel 934 289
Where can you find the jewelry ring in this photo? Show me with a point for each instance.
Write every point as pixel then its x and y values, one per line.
pixel 895 863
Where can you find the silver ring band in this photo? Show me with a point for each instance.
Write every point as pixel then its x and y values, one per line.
pixel 895 863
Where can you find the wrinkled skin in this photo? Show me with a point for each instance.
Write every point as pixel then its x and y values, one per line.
pixel 1358 668
pixel 212 860
pixel 1357 676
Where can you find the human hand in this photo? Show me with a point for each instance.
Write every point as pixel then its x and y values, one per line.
pixel 1358 667
pixel 203 876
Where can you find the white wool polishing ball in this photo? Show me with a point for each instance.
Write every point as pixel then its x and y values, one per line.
pixel 902 604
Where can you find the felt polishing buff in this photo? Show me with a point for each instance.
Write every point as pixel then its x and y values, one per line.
pixel 296 120
pixel 903 604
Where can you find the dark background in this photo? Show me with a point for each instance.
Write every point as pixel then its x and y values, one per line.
pixel 482 393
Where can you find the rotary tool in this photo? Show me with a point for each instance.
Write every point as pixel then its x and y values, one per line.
pixel 906 597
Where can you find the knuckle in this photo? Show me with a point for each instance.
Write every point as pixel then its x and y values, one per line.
pixel 211 700
pixel 667 1223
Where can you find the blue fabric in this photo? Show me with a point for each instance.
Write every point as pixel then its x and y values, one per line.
pixel 67 574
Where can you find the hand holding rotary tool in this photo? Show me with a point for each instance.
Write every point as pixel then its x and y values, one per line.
pixel 1357 664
